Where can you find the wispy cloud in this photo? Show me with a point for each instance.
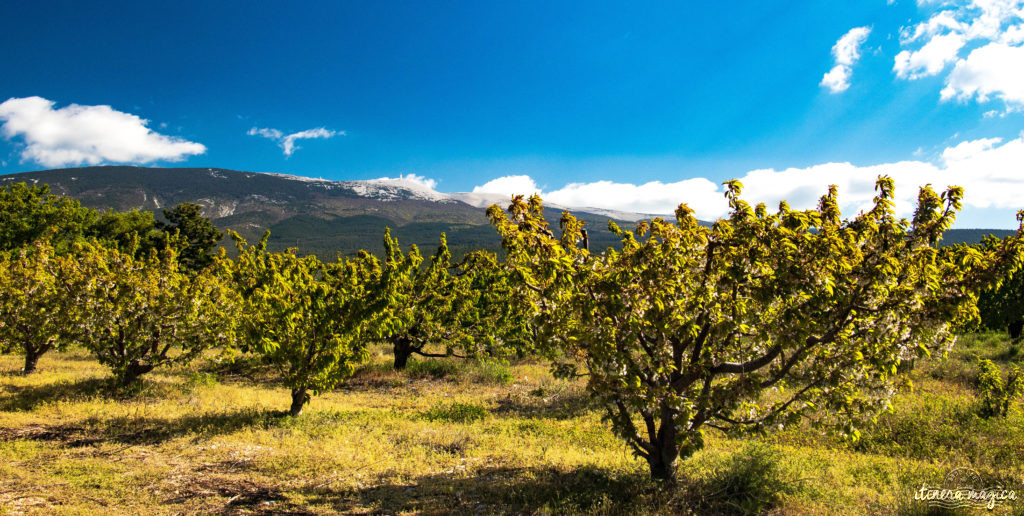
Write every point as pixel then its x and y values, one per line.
pixel 846 52
pixel 75 135
pixel 287 141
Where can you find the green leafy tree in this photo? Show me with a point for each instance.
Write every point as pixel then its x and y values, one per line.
pixel 131 231
pixel 997 394
pixel 752 323
pixel 303 316
pixel 1002 308
pixel 197 233
pixel 40 302
pixel 444 309
pixel 145 312
pixel 32 213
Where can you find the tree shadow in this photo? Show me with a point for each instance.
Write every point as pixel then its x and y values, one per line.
pixel 561 405
pixel 243 496
pixel 747 482
pixel 145 430
pixel 25 398
pixel 507 490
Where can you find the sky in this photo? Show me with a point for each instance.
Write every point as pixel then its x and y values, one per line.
pixel 632 106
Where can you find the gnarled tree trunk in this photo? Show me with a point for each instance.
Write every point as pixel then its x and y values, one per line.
pixel 32 355
pixel 662 460
pixel 134 371
pixel 299 399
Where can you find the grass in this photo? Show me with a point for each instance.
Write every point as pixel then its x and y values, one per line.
pixel 449 436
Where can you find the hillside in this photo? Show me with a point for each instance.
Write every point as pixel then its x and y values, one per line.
pixel 317 216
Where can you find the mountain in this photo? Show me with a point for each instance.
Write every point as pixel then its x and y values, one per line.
pixel 316 215
pixel 325 217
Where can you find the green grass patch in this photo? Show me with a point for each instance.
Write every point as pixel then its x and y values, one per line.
pixel 432 368
pixel 456 413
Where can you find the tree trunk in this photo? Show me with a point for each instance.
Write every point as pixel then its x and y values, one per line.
pixel 31 359
pixel 299 399
pixel 1015 329
pixel 134 371
pixel 663 460
pixel 403 350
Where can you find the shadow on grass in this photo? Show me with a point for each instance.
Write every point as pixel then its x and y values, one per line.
pixel 506 490
pixel 563 404
pixel 144 430
pixel 749 482
pixel 30 397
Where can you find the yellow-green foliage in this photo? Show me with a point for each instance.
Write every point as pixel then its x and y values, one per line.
pixel 997 394
pixel 755 322
pixel 40 302
pixel 143 313
pixel 303 316
pixel 443 309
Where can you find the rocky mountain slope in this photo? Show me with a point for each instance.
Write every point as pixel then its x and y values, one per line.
pixel 315 215
pixel 320 216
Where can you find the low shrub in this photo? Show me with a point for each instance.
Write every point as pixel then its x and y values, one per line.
pixel 751 481
pixel 492 373
pixel 997 394
pixel 432 368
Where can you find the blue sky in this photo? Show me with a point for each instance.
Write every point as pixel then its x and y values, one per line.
pixel 636 107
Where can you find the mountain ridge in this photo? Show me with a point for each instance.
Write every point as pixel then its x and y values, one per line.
pixel 321 216
pixel 318 216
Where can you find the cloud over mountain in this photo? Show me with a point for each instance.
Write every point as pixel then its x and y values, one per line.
pixel 988 169
pixel 76 134
pixel 287 141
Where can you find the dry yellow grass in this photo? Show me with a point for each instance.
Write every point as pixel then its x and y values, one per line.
pixel 217 441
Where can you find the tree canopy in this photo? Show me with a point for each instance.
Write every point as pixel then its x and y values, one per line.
pixel 303 316
pixel 198 236
pixel 41 302
pixel 145 312
pixel 443 309
pixel 754 322
pixel 31 213
pixel 1002 308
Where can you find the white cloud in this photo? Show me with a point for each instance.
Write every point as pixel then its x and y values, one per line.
pixel 988 169
pixel 273 134
pixel 930 59
pixel 509 185
pixel 992 30
pixel 847 49
pixel 995 69
pixel 654 197
pixel 837 79
pixel 75 135
pixel 425 182
pixel 966 150
pixel 846 52
pixel 287 142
